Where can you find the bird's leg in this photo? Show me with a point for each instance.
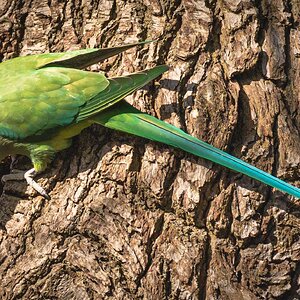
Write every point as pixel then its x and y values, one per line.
pixel 31 182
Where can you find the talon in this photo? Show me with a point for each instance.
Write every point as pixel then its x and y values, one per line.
pixel 45 195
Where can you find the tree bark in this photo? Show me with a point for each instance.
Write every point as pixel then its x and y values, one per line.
pixel 133 219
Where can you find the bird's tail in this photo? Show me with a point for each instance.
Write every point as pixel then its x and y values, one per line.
pixel 126 118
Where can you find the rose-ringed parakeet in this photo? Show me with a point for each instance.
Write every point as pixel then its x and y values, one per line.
pixel 47 99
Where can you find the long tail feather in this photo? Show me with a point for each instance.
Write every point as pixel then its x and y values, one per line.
pixel 126 118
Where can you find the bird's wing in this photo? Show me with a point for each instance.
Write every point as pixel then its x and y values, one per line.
pixel 41 92
pixel 42 100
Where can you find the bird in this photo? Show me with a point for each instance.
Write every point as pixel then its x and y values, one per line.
pixel 47 99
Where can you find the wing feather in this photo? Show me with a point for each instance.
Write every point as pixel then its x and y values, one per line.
pixel 44 99
pixel 117 89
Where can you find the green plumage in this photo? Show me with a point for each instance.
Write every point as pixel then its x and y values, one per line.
pixel 47 99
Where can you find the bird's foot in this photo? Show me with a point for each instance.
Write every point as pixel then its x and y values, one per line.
pixel 31 182
pixel 28 175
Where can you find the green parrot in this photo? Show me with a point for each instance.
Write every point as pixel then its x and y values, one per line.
pixel 47 99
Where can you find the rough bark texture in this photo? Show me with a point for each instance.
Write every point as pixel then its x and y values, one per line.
pixel 133 219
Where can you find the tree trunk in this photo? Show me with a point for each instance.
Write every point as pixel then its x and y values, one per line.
pixel 133 219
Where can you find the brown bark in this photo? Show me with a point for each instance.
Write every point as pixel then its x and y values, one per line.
pixel 133 219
